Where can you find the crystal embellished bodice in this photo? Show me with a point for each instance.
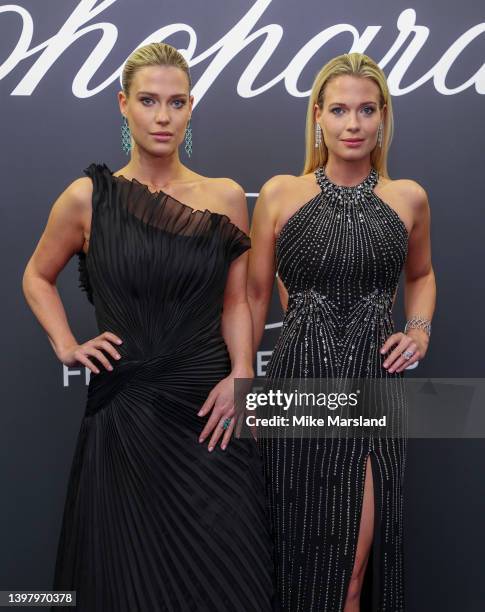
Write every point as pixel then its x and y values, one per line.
pixel 340 257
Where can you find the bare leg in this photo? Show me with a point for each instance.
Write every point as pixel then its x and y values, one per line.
pixel 364 543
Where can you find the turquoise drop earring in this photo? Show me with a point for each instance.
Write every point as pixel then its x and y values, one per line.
pixel 125 136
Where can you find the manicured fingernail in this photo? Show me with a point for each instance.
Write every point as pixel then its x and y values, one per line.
pixel 211 448
pixel 201 439
pixel 118 356
pixel 382 351
pixel 119 341
pixel 198 414
pixel 110 368
pixel 223 447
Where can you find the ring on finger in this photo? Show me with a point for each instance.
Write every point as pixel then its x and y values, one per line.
pixel 226 422
pixel 407 354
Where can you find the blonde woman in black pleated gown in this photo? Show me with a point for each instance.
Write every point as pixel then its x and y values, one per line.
pixel 339 237
pixel 165 509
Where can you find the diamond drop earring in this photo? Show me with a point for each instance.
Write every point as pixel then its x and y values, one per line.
pixel 318 135
pixel 125 136
pixel 188 139
pixel 379 135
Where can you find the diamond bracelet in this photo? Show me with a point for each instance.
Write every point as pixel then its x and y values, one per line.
pixel 418 322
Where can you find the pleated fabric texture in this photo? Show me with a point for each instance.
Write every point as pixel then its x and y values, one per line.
pixel 152 520
pixel 340 257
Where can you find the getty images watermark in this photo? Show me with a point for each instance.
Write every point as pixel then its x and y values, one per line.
pixel 294 400
pixel 393 407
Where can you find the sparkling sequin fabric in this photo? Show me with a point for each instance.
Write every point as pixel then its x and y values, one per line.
pixel 340 257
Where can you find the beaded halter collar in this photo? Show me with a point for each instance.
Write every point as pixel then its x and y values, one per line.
pixel 328 186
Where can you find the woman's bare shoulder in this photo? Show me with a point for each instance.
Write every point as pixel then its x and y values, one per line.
pixel 78 195
pixel 73 207
pixel 283 190
pixel 227 188
pixel 282 184
pixel 407 190
pixel 225 196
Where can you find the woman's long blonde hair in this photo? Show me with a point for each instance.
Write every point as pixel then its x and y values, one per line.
pixel 354 64
pixel 153 54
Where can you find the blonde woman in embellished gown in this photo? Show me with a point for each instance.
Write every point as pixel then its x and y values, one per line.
pixel 339 237
pixel 164 511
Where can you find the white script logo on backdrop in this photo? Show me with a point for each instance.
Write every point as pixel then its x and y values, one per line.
pixel 410 40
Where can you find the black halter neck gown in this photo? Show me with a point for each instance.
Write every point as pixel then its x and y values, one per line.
pixel 339 256
pixel 154 522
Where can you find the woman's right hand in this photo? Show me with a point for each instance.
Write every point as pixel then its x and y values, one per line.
pixel 81 353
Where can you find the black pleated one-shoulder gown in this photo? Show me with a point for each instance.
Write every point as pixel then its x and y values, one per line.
pixel 152 520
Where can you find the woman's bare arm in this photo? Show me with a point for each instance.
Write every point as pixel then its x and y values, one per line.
pixel 63 236
pixel 420 284
pixel 236 330
pixel 261 274
pixel 236 318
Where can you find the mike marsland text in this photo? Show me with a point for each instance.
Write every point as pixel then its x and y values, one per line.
pixel 305 420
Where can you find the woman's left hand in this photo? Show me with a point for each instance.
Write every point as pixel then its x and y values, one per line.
pixel 415 341
pixel 221 401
